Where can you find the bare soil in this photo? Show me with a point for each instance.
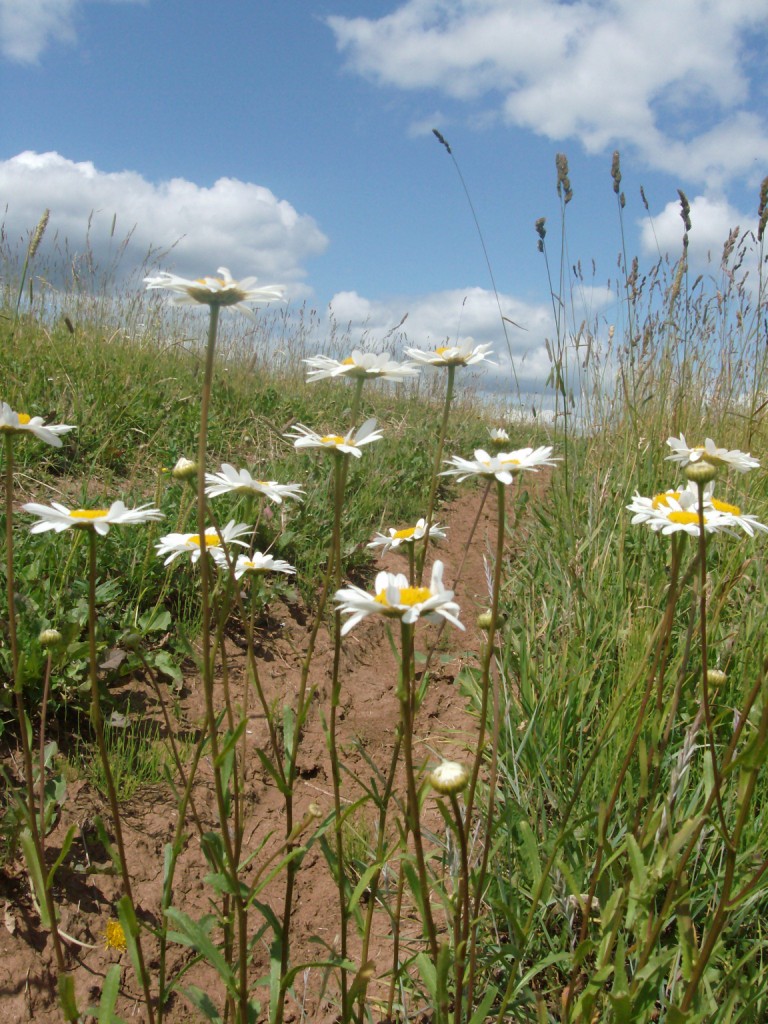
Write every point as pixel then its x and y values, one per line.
pixel 86 889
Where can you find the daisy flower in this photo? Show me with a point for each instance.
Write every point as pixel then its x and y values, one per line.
pixel 498 435
pixel 742 462
pixel 240 481
pixel 58 517
pixel 175 544
pixel 452 355
pixel 504 467
pixel 303 437
pixel 406 536
pixel 216 291
pixel 395 598
pixel 257 562
pixel 359 364
pixel 22 423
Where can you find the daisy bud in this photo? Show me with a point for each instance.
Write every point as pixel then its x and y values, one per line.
pixel 449 778
pixel 49 638
pixel 484 620
pixel 715 677
pixel 185 469
pixel 701 472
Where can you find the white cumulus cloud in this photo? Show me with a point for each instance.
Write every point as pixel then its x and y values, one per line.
pixel 712 219
pixel 677 82
pixel 27 27
pixel 467 316
pixel 231 223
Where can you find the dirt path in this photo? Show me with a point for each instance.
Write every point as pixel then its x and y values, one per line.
pixel 86 893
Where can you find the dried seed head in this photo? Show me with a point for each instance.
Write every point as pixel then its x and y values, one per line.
pixel 645 201
pixel 37 237
pixel 564 189
pixel 685 209
pixel 541 231
pixel 616 171
pixel 441 139
pixel 762 210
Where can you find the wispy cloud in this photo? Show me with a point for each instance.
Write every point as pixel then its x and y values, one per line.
pixel 682 84
pixel 234 223
pixel 28 27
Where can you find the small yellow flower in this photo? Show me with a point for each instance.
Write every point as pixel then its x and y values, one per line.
pixel 114 936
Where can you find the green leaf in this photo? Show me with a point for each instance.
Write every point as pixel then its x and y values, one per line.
pixel 110 990
pixel 195 934
pixel 202 1001
pixel 35 872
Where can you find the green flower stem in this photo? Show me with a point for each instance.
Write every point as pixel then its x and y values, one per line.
pixel 421 557
pixel 241 912
pixel 98 727
pixel 374 884
pixel 38 834
pixel 339 480
pixel 413 817
pixel 461 919
pixel 485 684
pixel 716 777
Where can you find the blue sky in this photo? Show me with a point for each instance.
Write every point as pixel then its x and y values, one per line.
pixel 292 140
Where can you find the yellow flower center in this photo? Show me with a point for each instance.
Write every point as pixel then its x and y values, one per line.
pixel 24 418
pixel 211 540
pixel 662 500
pixel 723 506
pixel 89 513
pixel 332 439
pixel 684 518
pixel 408 596
pixel 510 462
pixel 349 361
pixel 114 936
pixel 404 534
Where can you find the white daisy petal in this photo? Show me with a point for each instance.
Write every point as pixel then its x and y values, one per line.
pixel 21 423
pixel 175 544
pixel 58 517
pixel 395 598
pixel 359 364
pixel 239 481
pixel 452 355
pixel 742 462
pixel 216 291
pixel 504 467
pixel 349 444
pixel 409 535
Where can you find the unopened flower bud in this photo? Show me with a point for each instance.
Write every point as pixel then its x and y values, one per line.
pixel 448 778
pixel 716 677
pixel 185 469
pixel 49 638
pixel 484 620
pixel 701 472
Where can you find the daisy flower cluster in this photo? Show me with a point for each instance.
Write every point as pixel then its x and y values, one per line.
pixel 678 511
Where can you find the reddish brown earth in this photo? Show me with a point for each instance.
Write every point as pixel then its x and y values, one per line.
pixel 86 894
